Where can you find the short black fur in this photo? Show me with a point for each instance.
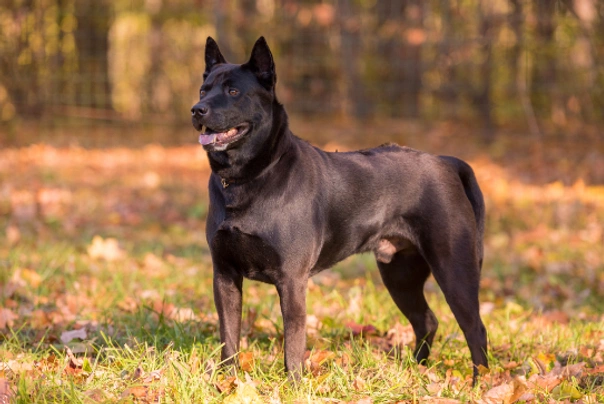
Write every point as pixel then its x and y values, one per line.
pixel 282 210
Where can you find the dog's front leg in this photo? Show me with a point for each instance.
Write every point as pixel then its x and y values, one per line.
pixel 292 294
pixel 228 300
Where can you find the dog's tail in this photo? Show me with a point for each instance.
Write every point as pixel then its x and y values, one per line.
pixel 474 194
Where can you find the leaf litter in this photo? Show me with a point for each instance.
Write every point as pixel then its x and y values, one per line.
pixel 113 264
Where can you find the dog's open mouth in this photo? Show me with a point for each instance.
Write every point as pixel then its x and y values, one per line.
pixel 218 138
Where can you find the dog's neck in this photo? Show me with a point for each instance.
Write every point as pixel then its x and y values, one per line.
pixel 235 166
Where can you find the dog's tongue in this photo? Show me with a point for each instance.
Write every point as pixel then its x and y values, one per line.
pixel 209 138
pixel 206 139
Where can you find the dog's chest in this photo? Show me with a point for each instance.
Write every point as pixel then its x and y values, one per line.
pixel 249 254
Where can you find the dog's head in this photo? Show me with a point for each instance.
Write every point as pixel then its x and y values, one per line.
pixel 234 100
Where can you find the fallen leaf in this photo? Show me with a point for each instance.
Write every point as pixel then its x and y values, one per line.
pixel 7 318
pixel 438 400
pixel 245 393
pixel 135 391
pixel 6 393
pixel 359 384
pixel 358 329
pixel 546 382
pixel 182 314
pixel 138 372
pixel 107 249
pixel 313 325
pixel 511 365
pixel 246 361
pixel 225 385
pixel 313 360
pixel 565 391
pixel 153 376
pixel 68 336
pixel 96 395
pixel 400 335
pixel 16 366
pixel 74 362
pixel 13 235
pixel 31 277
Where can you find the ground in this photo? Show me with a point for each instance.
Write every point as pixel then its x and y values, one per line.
pixel 105 288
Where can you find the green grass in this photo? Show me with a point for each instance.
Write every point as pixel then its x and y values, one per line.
pixel 151 326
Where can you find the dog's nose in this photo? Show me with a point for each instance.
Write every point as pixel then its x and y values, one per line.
pixel 199 110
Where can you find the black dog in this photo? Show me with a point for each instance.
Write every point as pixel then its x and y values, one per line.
pixel 282 210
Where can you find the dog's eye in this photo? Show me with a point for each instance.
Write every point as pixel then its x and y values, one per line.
pixel 202 93
pixel 233 92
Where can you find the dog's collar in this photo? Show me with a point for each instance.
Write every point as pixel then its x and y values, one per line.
pixel 225 183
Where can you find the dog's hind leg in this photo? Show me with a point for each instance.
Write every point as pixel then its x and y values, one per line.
pixel 404 277
pixel 459 279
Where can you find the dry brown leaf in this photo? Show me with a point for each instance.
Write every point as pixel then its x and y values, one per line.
pixel 153 376
pixel 16 365
pixel 245 393
pixel 136 392
pixel 545 382
pixel 359 384
pixel 596 370
pixel 313 360
pixel 6 393
pixel 13 235
pixel 68 336
pixel 313 325
pixel 358 329
pixel 511 365
pixel 400 335
pixel 96 395
pixel 225 385
pixel 136 375
pixel 438 400
pixel 364 400
pixel 574 370
pixel 7 318
pixel 246 361
pixel 74 362
pixel 26 276
pixel 107 249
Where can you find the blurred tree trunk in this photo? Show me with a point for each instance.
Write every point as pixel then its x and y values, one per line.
pixel 155 66
pixel 92 42
pixel 400 37
pixel 21 80
pixel 307 47
pixel 246 23
pixel 516 21
pixel 543 75
pixel 447 91
pixel 390 22
pixel 356 103
pixel 483 98
pixel 412 56
pixel 222 10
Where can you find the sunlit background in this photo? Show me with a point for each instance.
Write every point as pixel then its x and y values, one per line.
pixel 532 67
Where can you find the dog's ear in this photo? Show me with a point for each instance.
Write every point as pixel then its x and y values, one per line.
pixel 213 56
pixel 262 65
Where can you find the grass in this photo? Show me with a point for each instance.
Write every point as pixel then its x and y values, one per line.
pixel 145 302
